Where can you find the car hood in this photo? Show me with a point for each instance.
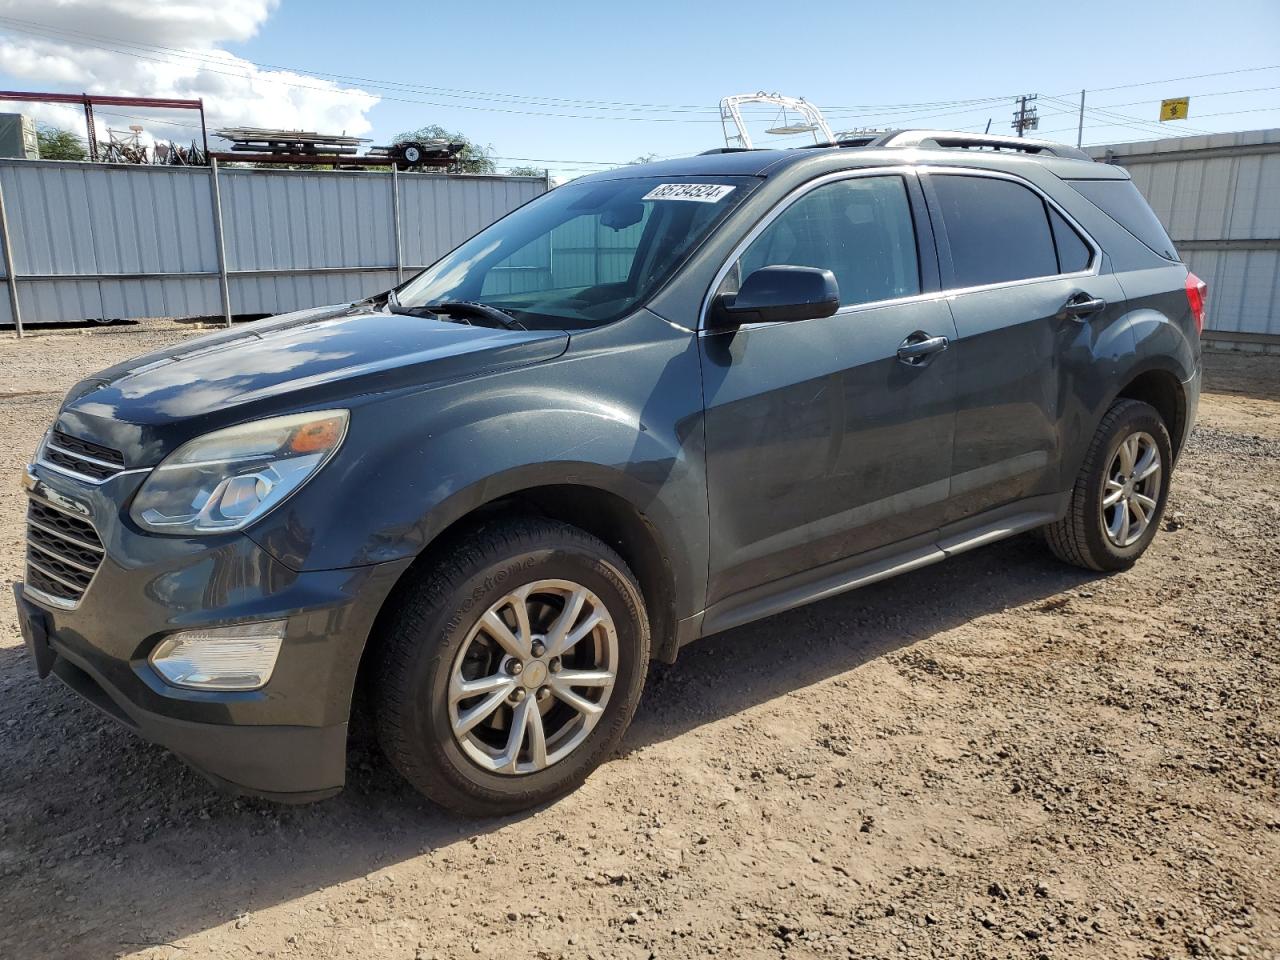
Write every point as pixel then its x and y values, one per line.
pixel 306 360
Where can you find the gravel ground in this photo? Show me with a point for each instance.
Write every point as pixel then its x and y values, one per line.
pixel 995 757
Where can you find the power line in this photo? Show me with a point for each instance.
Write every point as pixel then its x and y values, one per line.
pixel 266 78
pixel 32 27
pixel 1199 96
pixel 903 114
pixel 1194 76
pixel 1167 132
pixel 918 117
pixel 1136 122
pixel 67 35
pixel 61 33
pixel 1027 117
pixel 1126 86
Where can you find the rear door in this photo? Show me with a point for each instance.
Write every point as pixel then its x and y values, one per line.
pixel 821 442
pixel 1011 262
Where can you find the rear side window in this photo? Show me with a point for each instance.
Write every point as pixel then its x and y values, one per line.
pixel 1073 253
pixel 1121 201
pixel 860 229
pixel 998 230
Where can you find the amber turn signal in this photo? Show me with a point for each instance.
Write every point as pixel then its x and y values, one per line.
pixel 317 436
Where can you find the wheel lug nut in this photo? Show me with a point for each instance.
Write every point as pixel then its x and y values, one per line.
pixel 517 694
pixel 554 665
pixel 515 667
pixel 539 648
pixel 543 693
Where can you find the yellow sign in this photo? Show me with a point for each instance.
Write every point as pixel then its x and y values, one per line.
pixel 1175 109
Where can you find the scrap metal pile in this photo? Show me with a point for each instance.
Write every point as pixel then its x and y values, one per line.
pixel 121 147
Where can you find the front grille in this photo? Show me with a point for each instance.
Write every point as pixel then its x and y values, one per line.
pixel 63 553
pixel 83 457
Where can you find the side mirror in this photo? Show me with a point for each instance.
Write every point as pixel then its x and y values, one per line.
pixel 779 293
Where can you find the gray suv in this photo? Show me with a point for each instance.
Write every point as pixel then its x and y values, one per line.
pixel 651 405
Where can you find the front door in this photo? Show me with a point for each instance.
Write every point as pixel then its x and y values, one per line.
pixel 822 441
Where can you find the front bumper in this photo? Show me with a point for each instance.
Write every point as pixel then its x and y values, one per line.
pixel 286 741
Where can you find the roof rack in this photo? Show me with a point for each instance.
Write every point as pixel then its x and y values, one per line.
pixel 861 140
pixel 949 139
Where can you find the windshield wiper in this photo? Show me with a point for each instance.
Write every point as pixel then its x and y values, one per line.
pixel 423 311
pixel 393 305
pixel 462 310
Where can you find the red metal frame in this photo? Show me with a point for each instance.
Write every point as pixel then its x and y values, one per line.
pixel 87 100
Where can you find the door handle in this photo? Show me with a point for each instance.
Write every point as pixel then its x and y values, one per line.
pixel 1082 306
pixel 919 348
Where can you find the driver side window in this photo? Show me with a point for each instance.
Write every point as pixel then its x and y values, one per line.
pixel 860 229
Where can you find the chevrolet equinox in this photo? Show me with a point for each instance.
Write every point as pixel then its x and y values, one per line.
pixel 650 405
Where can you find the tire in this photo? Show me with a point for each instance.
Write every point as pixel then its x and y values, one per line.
pixel 434 641
pixel 1087 535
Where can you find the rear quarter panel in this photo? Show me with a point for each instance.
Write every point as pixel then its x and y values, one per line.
pixel 1151 330
pixel 1153 317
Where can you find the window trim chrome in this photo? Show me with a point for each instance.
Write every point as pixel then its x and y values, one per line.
pixel 898 170
pixel 943 293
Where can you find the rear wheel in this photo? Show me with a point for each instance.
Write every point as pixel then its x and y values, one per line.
pixel 1119 495
pixel 511 670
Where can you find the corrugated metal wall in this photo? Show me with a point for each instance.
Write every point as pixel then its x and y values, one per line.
pixel 105 241
pixel 579 253
pixel 1219 198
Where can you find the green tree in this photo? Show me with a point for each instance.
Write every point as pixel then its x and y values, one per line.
pixel 526 171
pixel 472 158
pixel 58 144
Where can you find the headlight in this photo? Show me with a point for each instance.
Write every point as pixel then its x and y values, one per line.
pixel 227 479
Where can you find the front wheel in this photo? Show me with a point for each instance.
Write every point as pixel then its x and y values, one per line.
pixel 510 670
pixel 1120 493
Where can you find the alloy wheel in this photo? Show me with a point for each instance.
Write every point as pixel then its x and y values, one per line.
pixel 533 677
pixel 1131 489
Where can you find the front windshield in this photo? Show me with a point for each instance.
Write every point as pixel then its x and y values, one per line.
pixel 584 254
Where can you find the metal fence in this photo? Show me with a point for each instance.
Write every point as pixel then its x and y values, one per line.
pixel 89 241
pixel 1219 197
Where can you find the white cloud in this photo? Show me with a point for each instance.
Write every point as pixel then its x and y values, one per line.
pixel 72 51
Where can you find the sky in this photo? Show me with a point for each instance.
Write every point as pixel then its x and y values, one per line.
pixel 580 86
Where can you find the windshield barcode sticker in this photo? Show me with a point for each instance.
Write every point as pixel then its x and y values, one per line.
pixel 698 192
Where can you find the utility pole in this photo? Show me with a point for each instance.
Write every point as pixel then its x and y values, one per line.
pixel 1025 117
pixel 1080 125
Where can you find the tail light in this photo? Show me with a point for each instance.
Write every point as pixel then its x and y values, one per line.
pixel 1197 291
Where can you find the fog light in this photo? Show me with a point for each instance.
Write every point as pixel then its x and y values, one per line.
pixel 220 658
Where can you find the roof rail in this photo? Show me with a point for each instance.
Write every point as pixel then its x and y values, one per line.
pixel 861 140
pixel 950 139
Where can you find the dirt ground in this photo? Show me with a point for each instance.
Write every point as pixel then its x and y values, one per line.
pixel 998 756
